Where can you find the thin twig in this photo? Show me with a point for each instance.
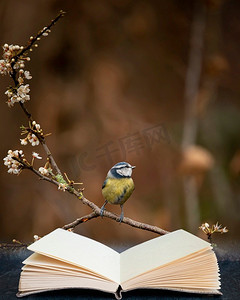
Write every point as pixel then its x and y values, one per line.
pixel 40 33
pixel 49 154
pixel 80 220
pixel 27 113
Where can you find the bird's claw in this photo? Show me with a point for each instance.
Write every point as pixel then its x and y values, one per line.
pixel 101 212
pixel 102 209
pixel 121 218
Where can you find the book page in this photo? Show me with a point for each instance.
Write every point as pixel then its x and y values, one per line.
pixel 80 251
pixel 159 251
pixel 42 261
pixel 40 281
pixel 195 271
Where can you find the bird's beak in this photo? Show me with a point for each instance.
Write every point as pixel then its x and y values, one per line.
pixel 133 167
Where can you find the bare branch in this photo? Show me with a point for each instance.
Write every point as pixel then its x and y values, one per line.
pixel 80 220
pixel 49 154
pixel 33 40
pixel 110 215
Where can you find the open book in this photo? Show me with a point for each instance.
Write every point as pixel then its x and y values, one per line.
pixel 176 261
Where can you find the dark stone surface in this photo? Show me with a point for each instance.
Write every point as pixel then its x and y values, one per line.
pixel 11 262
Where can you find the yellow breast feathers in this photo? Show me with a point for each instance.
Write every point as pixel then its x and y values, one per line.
pixel 117 191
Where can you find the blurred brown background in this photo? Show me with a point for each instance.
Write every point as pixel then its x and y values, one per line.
pixel 110 83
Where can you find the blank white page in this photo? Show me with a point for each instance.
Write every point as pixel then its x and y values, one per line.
pixel 159 251
pixel 81 251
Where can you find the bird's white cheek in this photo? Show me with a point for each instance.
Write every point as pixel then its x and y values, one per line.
pixel 124 172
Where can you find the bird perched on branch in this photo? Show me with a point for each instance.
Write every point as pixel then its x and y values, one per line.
pixel 118 186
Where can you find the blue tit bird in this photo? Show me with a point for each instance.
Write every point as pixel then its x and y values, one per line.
pixel 118 186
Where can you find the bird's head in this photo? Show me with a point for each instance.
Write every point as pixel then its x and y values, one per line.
pixel 120 170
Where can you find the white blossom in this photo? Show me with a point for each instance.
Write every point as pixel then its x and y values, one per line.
pixel 36 125
pixel 19 65
pixel 9 51
pixel 22 92
pixel 23 141
pixel 33 140
pixel 43 171
pixel 206 225
pixel 46 32
pixel 20 80
pixel 36 155
pixel 62 187
pixel 7 160
pixel 217 227
pixel 35 237
pixel 27 75
pixel 3 67
pixel 14 167
pixel 214 228
pixel 9 93
pixel 224 230
pixel 20 95
pixel 12 100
